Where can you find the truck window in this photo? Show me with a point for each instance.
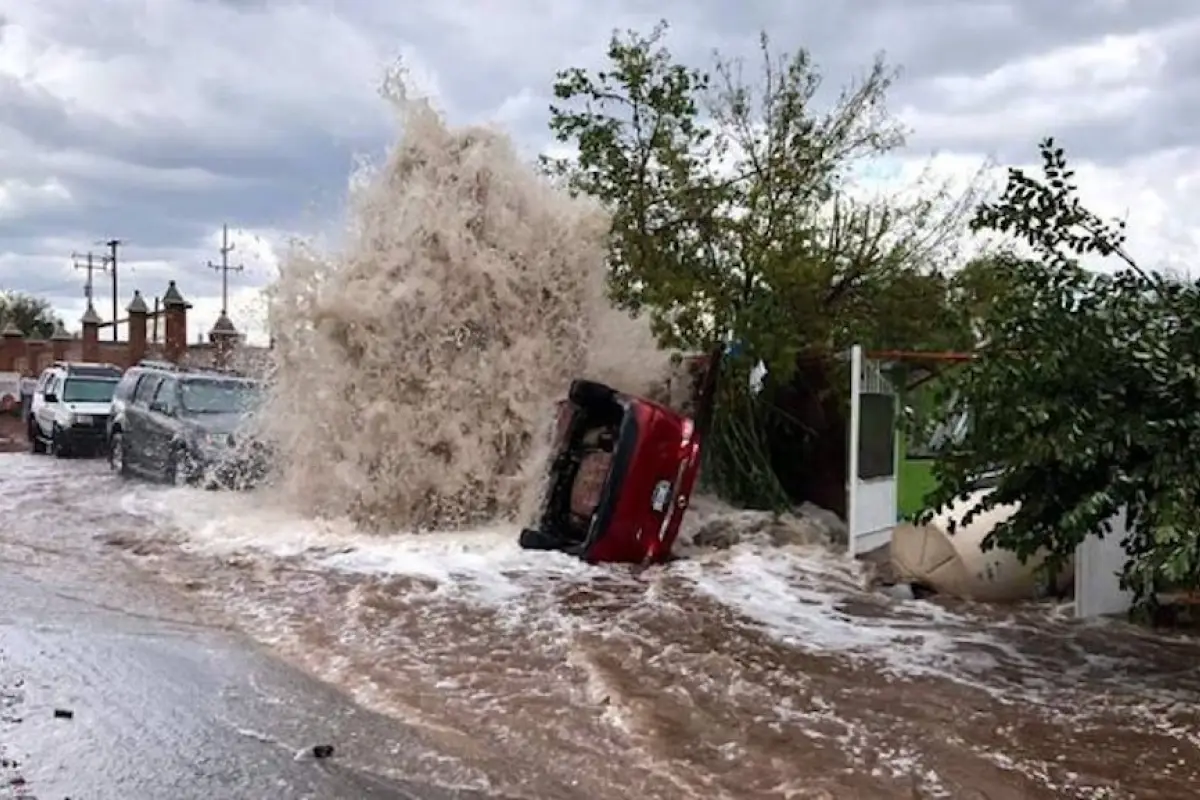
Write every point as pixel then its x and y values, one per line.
pixel 166 394
pixel 145 389
pixel 87 390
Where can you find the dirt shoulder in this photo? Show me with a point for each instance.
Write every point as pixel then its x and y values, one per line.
pixel 12 434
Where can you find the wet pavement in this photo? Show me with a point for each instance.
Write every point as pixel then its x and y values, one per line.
pixel 760 671
pixel 110 687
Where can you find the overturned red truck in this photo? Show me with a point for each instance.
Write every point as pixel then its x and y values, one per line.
pixel 621 476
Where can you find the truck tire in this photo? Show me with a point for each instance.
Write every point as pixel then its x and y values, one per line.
pixel 58 446
pixel 36 445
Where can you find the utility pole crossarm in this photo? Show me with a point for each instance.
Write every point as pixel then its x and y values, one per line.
pixel 225 268
pixel 88 263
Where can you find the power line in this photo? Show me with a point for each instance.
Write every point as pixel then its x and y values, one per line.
pixel 225 268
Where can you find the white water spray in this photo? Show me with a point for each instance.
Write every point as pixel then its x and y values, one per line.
pixel 416 370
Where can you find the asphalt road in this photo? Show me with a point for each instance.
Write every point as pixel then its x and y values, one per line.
pixel 109 690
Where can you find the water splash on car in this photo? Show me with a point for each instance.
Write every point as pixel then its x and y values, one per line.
pixel 416 368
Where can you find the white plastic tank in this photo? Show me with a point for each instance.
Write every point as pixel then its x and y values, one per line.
pixel 954 564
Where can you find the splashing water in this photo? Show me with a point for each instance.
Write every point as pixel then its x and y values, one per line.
pixel 415 372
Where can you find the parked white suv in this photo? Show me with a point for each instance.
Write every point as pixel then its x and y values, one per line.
pixel 70 408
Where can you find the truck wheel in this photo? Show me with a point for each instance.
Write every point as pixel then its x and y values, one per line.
pixel 58 447
pixel 36 445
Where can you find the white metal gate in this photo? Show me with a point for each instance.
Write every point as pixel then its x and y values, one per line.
pixel 873 456
pixel 1098 565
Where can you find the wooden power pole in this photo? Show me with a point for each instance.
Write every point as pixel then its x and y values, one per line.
pixel 110 262
pixel 225 268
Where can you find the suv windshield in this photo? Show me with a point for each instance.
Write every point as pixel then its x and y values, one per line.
pixel 87 390
pixel 217 396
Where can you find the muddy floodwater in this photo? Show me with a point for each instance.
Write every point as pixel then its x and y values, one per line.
pixel 753 672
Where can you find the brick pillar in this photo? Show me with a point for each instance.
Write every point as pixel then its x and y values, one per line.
pixel 175 310
pixel 137 328
pixel 60 340
pixel 91 334
pixel 12 347
pixel 38 353
pixel 224 338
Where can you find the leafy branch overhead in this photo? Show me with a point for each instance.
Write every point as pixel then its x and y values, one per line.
pixel 1048 215
pixel 733 205
pixel 1087 390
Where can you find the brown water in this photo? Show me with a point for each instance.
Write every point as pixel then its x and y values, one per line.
pixel 764 670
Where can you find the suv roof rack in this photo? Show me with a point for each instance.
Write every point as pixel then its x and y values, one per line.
pixel 157 364
pixel 169 366
pixel 93 369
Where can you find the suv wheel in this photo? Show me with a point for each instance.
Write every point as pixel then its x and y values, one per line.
pixel 116 454
pixel 181 471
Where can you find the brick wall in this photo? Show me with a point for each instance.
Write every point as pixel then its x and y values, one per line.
pixel 29 356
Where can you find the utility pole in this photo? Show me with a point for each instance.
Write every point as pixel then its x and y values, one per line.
pixel 90 266
pixel 111 261
pixel 225 268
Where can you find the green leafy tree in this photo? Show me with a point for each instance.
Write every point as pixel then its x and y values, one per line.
pixel 735 217
pixel 34 316
pixel 1086 392
pixel 733 214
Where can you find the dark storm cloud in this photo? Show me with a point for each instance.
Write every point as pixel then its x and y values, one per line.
pixel 259 159
pixel 269 185
pixel 1157 108
pixel 925 39
pixel 298 153
pixel 932 37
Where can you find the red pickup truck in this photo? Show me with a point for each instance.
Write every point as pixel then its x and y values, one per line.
pixel 621 478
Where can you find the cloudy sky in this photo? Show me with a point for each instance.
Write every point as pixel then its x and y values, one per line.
pixel 156 121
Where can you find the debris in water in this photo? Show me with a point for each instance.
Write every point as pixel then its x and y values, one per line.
pixel 900 591
pixel 317 751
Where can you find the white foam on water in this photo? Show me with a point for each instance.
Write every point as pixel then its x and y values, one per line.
pixel 805 597
pixel 484 566
pixel 795 593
